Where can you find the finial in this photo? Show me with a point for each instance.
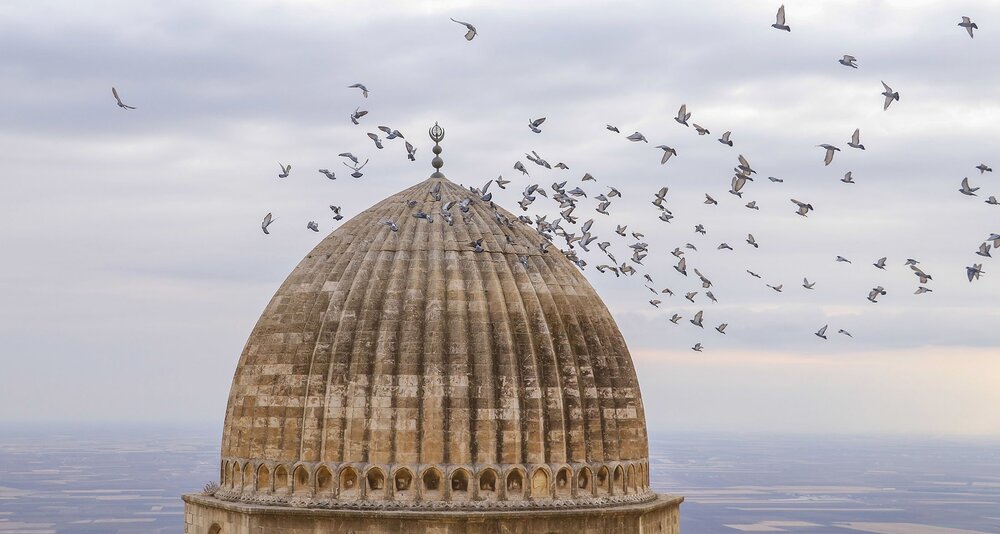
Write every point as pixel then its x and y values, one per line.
pixel 437 134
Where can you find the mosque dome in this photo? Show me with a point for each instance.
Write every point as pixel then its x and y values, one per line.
pixel 402 368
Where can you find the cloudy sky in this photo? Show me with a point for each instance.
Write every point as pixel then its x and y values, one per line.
pixel 134 266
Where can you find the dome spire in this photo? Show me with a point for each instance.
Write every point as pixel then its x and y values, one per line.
pixel 437 134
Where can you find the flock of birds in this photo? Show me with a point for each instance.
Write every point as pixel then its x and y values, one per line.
pixel 582 237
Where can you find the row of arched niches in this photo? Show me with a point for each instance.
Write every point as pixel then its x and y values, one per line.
pixel 378 486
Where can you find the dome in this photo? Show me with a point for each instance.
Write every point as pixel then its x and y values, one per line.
pixel 404 369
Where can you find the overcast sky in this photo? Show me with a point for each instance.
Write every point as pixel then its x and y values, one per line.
pixel 134 266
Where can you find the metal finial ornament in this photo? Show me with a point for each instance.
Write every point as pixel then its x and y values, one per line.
pixel 437 134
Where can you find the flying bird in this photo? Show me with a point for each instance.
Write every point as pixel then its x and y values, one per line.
pixel 889 95
pixel 635 137
pixel 358 113
pixel 855 141
pixel 697 347
pixel 119 100
pixel 844 332
pixel 830 150
pixel 921 290
pixel 843 259
pixel 364 90
pixel 806 284
pixel 752 241
pixel 975 271
pixel 848 178
pixel 268 219
pixel 349 156
pixel 968 25
pixel 880 263
pixel 336 212
pixel 697 319
pixel 410 152
pixel 822 332
pixel 700 130
pixel 984 250
pixel 966 189
pixel 328 174
pixel 683 115
pixel 311 225
pixel 667 152
pixel 518 166
pixel 776 180
pixel 378 142
pixel 472 29
pixel 779 20
pixel 875 293
pixel 725 139
pixel 777 288
pixel 983 168
pixel 722 328
pixel 533 125
pixel 803 208
pixel 285 169
pixel 849 61
pixel 391 133
pixel 675 318
pixel 613 128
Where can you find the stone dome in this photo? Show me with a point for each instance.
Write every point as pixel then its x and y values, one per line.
pixel 403 369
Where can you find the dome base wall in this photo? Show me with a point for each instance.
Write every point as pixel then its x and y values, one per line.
pixel 208 515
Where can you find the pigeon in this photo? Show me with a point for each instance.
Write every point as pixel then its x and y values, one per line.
pixel 822 332
pixel 588 178
pixel 119 100
pixel 705 282
pixel 390 133
pixel 995 238
pixel 984 250
pixel 966 190
pixel 364 90
pixel 613 129
pixel 710 296
pixel 681 267
pixel 378 142
pixel 983 168
pixel 753 274
pixel 753 205
pixel 737 184
pixel 724 246
pixel 806 284
pixel 844 332
pixel 667 152
pixel 410 152
pixel 311 225
pixel 518 166
pixel 667 291
pixel 472 29
pixel 843 259
pixel 477 245
pixel 722 328
pixel 391 224
pixel 533 125
pixel 523 260
pixel 620 230
pixel 848 61
pixel 776 180
pixel 889 95
pixel 562 166
pixel 268 219
pixel 710 200
pixel 655 303
pixel 358 113
pixel 699 228
pixel 975 271
pixel 725 139
pixel 328 174
pixel 803 208
pixel 924 277
pixel 969 26
pixel 744 167
pixel 776 288
pixel 614 192
pixel 675 318
pixel 921 290
pixel 751 241
pixel 697 347
pixel 855 141
pixel 349 156
pixel 697 319
pixel 285 169
pixel 700 130
pixel 875 293
pixel 880 264
pixel 830 149
pixel 848 178
pixel 336 212
pixel 683 115
pixel 635 137
pixel 779 20
pixel 357 169
pixel 993 201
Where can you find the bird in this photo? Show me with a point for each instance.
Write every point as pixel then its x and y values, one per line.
pixel 364 90
pixel 328 174
pixel 700 130
pixel 844 332
pixel 675 318
pixel 635 137
pixel 822 332
pixel 562 166
pixel 753 274
pixel 806 284
pixel 969 26
pixel 391 133
pixel 119 100
pixel 472 29
pixel 889 95
pixel 966 189
pixel 410 151
pixel 697 347
pixel 724 246
pixel 477 245
pixel 311 225
pixel 614 192
pixel 349 156
pixel 984 250
pixel 611 128
pixel 534 124
pixel 744 167
pixel 753 205
pixel 655 303
pixel 975 271
pixel 391 224
pixel 699 228
pixel 722 328
pixel 667 152
pixel 356 168
pixel 705 282
pixel 875 293
pixel 880 264
pixel 683 115
pixel 697 319
pixel 681 267
pixel 921 290
pixel 378 142
pixel 776 180
pixel 710 200
pixel 848 61
pixel 690 296
pixel 843 259
pixel 422 215
pixel 501 183
pixel 358 113
pixel 803 208
pixel 268 219
pixel 725 139
pixel 924 277
pixel 776 288
pixel 737 183
pixel 779 20
pixel 285 169
pixel 752 241
pixel 855 141
pixel 336 212
pixel 983 168
pixel 588 178
pixel 848 178
pixel 830 149
pixel 710 296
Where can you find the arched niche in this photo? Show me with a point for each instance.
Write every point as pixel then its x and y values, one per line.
pixel 263 479
pixel 375 480
pixel 540 484
pixel 603 482
pixel 584 481
pixel 402 484
pixel 248 476
pixel 300 481
pixel 459 484
pixel 488 482
pixel 564 483
pixel 618 481
pixel 280 479
pixel 324 480
pixel 514 485
pixel 430 484
pixel 350 487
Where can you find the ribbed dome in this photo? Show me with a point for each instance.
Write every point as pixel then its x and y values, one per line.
pixel 404 369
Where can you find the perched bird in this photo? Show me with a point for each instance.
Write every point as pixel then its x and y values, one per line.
pixel 336 212
pixel 364 90
pixel 477 245
pixel 855 141
pixel 848 178
pixel 268 219
pixel 613 129
pixel 875 293
pixel 843 259
pixel 806 284
pixel 803 208
pixel 378 142
pixel 697 319
pixel 328 174
pixel 975 271
pixel 889 95
pixel 725 139
pixel 968 25
pixel 700 130
pixel 880 263
pixel 390 133
pixel 848 61
pixel 844 332
pixel 471 29
pixel 410 151
pixel 779 20
pixel 751 241
pixel 966 190
pixel 391 224
pixel 119 100
pixel 358 113
pixel 311 225
pixel 533 125
pixel 722 328
pixel 667 152
pixel 983 168
pixel 635 137
pixel 697 347
pixel 683 115
pixel 285 169
pixel 822 332
pixel 830 149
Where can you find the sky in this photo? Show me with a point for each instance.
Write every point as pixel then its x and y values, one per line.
pixel 134 265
